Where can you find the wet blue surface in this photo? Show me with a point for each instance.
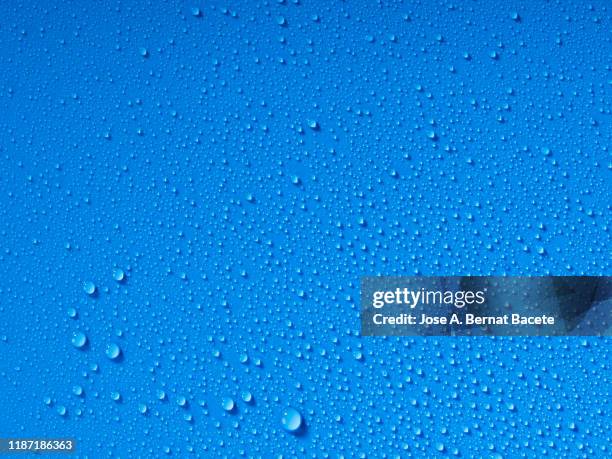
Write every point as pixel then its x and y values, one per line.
pixel 190 193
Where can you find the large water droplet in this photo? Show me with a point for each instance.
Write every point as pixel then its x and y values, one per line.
pixel 228 404
pixel 113 351
pixel 291 420
pixel 89 287
pixel 118 274
pixel 79 339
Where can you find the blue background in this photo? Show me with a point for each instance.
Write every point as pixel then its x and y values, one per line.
pixel 245 163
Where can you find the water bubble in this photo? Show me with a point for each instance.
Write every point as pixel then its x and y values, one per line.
pixel 247 397
pixel 115 396
pixel 72 313
pixel 89 287
pixel 291 420
pixel 61 410
pixel 79 339
pixel 113 351
pixel 143 52
pixel 196 12
pixel 77 390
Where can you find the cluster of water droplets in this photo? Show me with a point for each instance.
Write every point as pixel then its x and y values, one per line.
pixel 189 202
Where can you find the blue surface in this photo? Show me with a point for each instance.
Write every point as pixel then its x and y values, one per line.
pixel 244 164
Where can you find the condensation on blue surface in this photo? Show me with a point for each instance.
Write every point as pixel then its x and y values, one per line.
pixel 190 193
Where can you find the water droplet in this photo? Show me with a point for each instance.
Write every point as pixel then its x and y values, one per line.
pixel 89 287
pixel 291 420
pixel 228 404
pixel 118 274
pixel 313 124
pixel 79 339
pixel 113 351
